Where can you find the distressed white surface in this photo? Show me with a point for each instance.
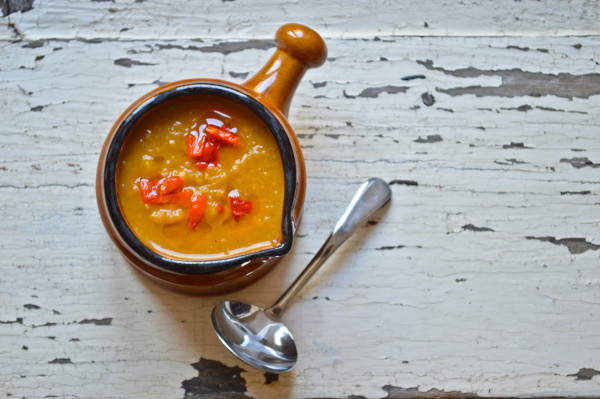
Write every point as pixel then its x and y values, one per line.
pixel 336 19
pixel 418 300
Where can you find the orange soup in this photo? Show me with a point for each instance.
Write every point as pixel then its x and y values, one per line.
pixel 201 177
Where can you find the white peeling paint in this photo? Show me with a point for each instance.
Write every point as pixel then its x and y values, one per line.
pixel 457 288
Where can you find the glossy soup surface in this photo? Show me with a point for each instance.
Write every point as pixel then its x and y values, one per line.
pixel 250 171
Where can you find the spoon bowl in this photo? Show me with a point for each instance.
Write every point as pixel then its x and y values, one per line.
pixel 255 335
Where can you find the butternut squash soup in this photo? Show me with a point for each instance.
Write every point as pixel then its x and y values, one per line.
pixel 201 177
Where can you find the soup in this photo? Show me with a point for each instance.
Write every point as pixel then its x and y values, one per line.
pixel 201 177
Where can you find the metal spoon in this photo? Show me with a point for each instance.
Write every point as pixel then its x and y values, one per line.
pixel 255 335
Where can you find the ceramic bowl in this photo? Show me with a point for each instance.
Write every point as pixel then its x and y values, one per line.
pixel 268 94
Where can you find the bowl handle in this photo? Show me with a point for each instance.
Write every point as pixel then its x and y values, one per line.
pixel 298 48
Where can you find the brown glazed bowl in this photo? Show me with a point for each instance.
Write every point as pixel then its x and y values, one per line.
pixel 268 94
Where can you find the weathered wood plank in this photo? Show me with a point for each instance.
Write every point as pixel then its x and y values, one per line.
pixel 334 19
pixel 482 277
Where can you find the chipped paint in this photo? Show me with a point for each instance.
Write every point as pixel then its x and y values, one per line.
pixel 428 99
pixel 412 77
pixel 575 245
pixel 517 83
pixel 434 138
pixel 585 374
pixel 510 161
pixel 171 46
pixel 374 92
pixel 11 6
pixel 515 145
pixel 234 47
pixel 107 321
pixel 271 378
pixel 128 62
pixel 517 48
pixel 390 247
pixel 61 360
pixel 403 182
pixel 18 320
pixel 579 163
pixel 520 108
pixel 47 324
pixel 471 227
pixel 394 392
pixel 584 192
pixel 550 109
pixel 215 380
pixel 241 75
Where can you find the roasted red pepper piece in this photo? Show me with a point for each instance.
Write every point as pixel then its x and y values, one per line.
pixel 196 145
pixel 157 191
pixel 205 145
pixel 220 208
pixel 168 185
pixel 179 198
pixel 149 190
pixel 223 134
pixel 196 210
pixel 211 157
pixel 201 147
pixel 208 151
pixel 239 207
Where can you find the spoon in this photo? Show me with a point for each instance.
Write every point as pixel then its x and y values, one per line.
pixel 255 335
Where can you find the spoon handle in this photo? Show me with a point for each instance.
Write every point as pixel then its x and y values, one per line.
pixel 372 196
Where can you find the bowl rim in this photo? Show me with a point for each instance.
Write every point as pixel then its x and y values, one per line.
pixel 182 266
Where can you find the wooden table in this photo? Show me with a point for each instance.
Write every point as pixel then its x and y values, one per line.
pixel 481 279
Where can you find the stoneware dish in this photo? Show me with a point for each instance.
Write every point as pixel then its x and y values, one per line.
pixel 268 94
